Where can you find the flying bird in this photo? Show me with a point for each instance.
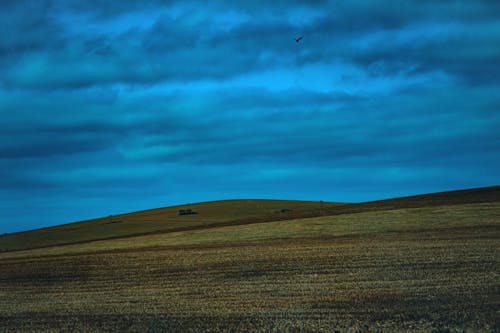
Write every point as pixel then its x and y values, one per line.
pixel 298 39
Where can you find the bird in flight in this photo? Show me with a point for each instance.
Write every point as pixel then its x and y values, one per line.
pixel 298 39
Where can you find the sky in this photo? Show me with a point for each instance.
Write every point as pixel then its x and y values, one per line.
pixel 109 107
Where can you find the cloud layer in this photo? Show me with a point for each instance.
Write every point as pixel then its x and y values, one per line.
pixel 110 107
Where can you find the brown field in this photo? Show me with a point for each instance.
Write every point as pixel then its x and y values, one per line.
pixel 430 266
pixel 166 220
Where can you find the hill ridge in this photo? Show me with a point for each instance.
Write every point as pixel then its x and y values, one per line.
pixel 166 223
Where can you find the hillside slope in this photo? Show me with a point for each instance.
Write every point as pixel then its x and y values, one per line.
pixel 422 269
pixel 459 197
pixel 165 220
pixel 225 212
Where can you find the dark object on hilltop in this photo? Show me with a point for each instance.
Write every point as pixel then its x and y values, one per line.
pixel 284 210
pixel 187 212
pixel 298 39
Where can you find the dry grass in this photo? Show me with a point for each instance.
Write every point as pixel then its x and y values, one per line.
pixel 432 269
pixel 226 212
pixel 419 280
pixel 443 218
pixel 166 220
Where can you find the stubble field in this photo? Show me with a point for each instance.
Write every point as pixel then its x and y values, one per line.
pixel 412 270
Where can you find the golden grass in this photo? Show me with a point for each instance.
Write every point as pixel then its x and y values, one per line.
pixel 428 269
pixel 410 281
pixel 399 220
pixel 164 219
pixel 226 212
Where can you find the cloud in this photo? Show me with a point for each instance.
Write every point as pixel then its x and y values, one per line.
pixel 169 41
pixel 110 107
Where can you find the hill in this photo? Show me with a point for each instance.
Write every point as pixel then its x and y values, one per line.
pixel 223 213
pixel 208 214
pixel 426 263
pixel 469 196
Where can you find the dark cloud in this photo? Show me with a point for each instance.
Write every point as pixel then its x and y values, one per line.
pixel 45 51
pixel 110 107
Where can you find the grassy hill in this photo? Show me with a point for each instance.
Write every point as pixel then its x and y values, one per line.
pixel 475 195
pixel 426 263
pixel 166 220
pixel 223 213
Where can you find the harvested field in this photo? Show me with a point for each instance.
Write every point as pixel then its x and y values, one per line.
pixel 420 281
pixel 433 269
pixel 161 220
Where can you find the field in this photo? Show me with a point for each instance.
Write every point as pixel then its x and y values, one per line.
pixel 419 264
pixel 159 220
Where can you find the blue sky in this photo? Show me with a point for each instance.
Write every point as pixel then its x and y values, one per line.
pixel 109 107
